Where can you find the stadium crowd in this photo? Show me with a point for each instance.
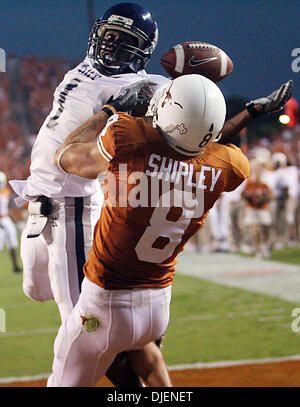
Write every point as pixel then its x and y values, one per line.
pixel 262 214
pixel 26 93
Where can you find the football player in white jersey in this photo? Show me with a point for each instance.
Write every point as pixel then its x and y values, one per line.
pixel 63 208
pixel 8 232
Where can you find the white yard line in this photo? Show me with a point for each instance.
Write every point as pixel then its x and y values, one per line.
pixel 199 365
pixel 14 334
pixel 228 363
pixel 272 278
pixel 37 378
pixel 269 314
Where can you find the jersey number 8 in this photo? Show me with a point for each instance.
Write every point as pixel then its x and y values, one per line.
pixel 169 231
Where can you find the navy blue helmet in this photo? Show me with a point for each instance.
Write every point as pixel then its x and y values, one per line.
pixel 123 39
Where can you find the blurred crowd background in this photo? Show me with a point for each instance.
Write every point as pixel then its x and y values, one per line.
pixel 261 215
pixel 26 96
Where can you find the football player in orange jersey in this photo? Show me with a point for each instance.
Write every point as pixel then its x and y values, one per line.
pixel 165 173
pixel 125 300
pixel 257 214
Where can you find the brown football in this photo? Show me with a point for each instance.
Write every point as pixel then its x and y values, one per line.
pixel 197 57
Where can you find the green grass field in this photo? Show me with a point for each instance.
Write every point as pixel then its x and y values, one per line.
pixel 289 255
pixel 209 322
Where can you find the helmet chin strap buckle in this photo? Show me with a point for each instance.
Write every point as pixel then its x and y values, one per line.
pixel 107 57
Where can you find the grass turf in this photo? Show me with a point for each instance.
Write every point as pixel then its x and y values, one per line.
pixel 209 322
pixel 290 255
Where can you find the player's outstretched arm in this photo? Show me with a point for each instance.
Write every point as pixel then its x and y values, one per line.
pixel 255 108
pixel 87 131
pixel 78 154
pixel 233 126
pixel 82 159
pixel 131 97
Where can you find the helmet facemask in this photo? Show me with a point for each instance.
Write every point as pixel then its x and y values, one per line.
pixel 118 50
pixel 136 39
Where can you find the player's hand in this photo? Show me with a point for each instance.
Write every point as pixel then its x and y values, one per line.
pixel 272 103
pixel 138 94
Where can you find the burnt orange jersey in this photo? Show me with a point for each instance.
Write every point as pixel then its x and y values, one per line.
pixel 156 199
pixel 257 194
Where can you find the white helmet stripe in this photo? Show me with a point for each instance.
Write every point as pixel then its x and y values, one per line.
pixel 223 69
pixel 179 51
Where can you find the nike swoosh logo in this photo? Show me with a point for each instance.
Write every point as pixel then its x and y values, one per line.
pixel 194 62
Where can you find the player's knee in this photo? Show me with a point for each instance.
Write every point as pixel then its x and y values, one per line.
pixel 156 356
pixel 152 356
pixel 36 293
pixel 148 363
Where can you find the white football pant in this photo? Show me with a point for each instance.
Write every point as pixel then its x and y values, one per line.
pixel 121 320
pixel 8 233
pixel 53 261
pixel 219 216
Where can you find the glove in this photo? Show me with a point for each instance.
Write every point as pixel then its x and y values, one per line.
pixel 138 94
pixel 272 103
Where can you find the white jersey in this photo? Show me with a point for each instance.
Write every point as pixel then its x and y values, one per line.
pixel 8 233
pixel 282 180
pixel 4 201
pixel 235 196
pixel 80 95
pixel 293 178
pixel 268 177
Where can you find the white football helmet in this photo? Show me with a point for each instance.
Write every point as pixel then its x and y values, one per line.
pixel 279 159
pixel 190 113
pixel 3 180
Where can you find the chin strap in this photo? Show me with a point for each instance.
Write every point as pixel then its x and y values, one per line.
pixel 107 71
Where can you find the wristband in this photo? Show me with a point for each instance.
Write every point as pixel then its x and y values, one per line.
pixel 61 154
pixel 109 110
pixel 251 109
